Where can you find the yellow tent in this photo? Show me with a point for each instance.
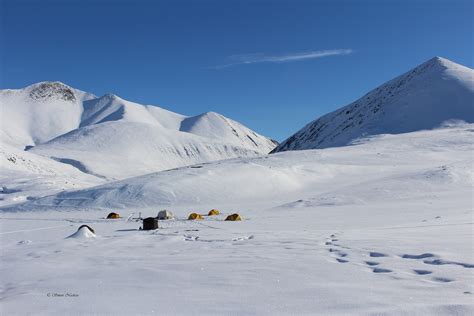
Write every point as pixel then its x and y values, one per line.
pixel 113 215
pixel 193 216
pixel 213 212
pixel 234 217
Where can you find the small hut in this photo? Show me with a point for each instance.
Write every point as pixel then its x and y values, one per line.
pixel 150 223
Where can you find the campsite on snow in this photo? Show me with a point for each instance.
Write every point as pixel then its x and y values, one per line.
pixel 367 209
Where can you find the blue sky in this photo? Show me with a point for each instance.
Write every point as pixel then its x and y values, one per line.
pixel 272 65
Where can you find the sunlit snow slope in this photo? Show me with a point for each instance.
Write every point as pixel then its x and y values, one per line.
pixel 427 96
pixel 112 138
pixel 387 166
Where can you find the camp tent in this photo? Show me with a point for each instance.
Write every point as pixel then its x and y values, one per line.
pixel 165 214
pixel 113 215
pixel 194 216
pixel 213 212
pixel 234 217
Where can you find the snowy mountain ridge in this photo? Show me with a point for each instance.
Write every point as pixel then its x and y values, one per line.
pixel 114 138
pixel 83 109
pixel 423 98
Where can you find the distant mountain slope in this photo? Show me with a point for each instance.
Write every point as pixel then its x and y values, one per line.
pixel 114 138
pixel 24 175
pixel 216 126
pixel 40 112
pixel 113 108
pixel 121 149
pixel 423 98
pixel 377 169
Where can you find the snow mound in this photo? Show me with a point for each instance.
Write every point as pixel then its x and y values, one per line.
pixel 83 233
pixel 426 97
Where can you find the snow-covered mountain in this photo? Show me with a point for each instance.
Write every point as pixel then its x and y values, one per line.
pixel 114 138
pixel 437 91
pixel 39 112
pixel 380 227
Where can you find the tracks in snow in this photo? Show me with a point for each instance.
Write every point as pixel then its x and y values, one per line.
pixel 384 263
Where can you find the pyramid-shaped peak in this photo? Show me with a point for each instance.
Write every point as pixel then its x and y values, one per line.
pixel 439 60
pixel 423 98
pixel 441 63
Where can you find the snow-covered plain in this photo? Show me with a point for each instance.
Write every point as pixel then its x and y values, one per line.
pixel 384 226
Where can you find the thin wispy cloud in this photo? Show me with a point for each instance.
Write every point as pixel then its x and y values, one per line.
pixel 262 58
